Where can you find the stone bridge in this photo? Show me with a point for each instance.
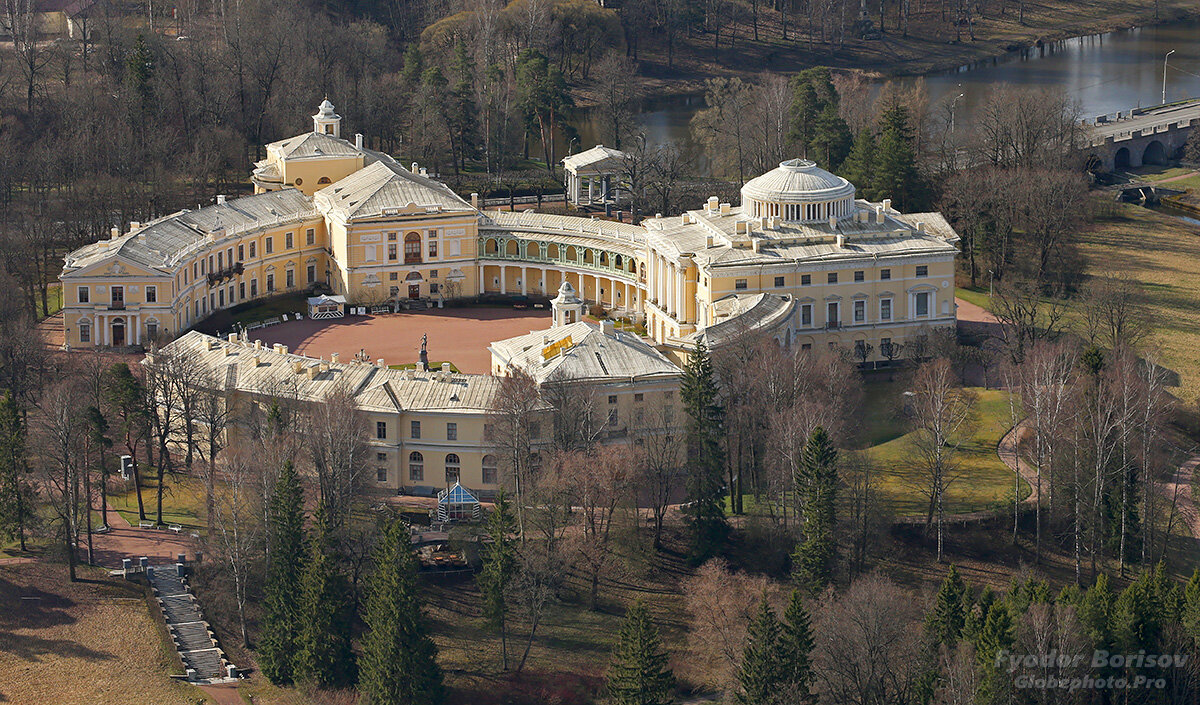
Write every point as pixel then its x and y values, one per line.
pixel 1154 135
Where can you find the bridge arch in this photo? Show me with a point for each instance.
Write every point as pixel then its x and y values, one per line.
pixel 1121 159
pixel 1156 153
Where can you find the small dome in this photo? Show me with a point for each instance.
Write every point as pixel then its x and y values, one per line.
pixel 797 181
pixel 326 107
pixel 566 292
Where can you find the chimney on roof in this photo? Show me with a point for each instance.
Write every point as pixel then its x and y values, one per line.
pixel 414 168
pixel 920 226
pixel 713 203
pixel 475 201
pixel 833 221
pixel 379 362
pixel 608 328
pixel 283 349
pixel 297 367
pixel 841 240
pixel 115 233
pixel 256 359
pixel 726 208
pixel 278 347
pixel 312 371
pixel 445 368
pixel 220 199
pixel 257 345
pixel 324 366
pixel 887 204
pixel 228 350
pixel 135 225
pixel 879 215
pixel 358 140
pixel 232 337
pixel 335 357
pixel 423 172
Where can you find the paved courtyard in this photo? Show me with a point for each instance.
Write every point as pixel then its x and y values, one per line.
pixel 457 335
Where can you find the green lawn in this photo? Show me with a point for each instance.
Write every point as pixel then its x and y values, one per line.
pixel 985 481
pixel 881 420
pixel 53 301
pixel 183 501
pixel 978 296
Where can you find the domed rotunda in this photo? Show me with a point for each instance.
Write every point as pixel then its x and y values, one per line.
pixel 798 191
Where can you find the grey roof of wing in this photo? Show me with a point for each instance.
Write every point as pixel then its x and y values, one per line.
pixel 383 185
pixel 738 314
pixel 163 242
pixel 593 356
pixel 374 388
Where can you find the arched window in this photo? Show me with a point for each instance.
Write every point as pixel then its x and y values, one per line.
pixel 490 474
pixel 416 467
pixel 324 180
pixel 452 468
pixel 412 248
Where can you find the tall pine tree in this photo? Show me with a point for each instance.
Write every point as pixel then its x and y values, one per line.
pixel 399 659
pixel 796 646
pixel 949 614
pixel 815 557
pixel 763 672
pixel 324 656
pixel 638 673
pixel 706 459
pixel 896 174
pixel 859 166
pixel 285 544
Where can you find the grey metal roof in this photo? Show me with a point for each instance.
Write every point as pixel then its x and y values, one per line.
pixel 385 185
pixel 794 241
pixel 548 223
pixel 738 314
pixel 374 388
pixel 313 144
pixel 797 181
pixel 593 355
pixel 164 242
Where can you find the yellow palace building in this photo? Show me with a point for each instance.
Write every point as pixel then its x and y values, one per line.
pixel 800 258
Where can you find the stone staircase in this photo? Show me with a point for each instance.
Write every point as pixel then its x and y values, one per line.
pixel 194 639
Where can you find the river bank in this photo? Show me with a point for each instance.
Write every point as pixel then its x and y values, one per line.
pixel 930 46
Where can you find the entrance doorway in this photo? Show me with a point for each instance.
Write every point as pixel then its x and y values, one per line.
pixel 118 333
pixel 414 291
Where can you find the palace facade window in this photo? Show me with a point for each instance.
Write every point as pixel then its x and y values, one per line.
pixel 859 275
pixel 832 278
pixel 288 241
pixel 490 470
pixel 415 429
pixel 416 467
pixel 922 303
pixel 805 280
pixel 922 270
pixel 778 282
pixel 885 274
pixel 381 474
pixel 860 311
pixel 310 237
pixel 85 332
pixel 412 248
pixel 453 467
pixel 270 245
pixel 84 294
pixel 253 249
pixel 885 309
pixel 381 430
pixel 452 432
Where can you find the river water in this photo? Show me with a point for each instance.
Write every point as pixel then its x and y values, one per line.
pixel 1104 72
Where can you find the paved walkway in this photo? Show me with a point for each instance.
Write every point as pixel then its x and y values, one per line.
pixel 124 541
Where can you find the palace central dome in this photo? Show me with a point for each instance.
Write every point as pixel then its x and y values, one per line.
pixel 798 190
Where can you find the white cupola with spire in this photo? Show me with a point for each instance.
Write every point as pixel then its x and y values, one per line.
pixel 326 121
pixel 567 307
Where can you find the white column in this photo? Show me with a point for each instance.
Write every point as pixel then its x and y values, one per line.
pixel 136 322
pixel 544 280
pixel 650 257
pixel 481 288
pixel 589 190
pixel 524 283
pixel 502 285
pixel 612 291
pixel 680 294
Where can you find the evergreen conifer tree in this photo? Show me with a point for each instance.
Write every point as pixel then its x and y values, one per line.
pixel 949 614
pixel 816 556
pixel 638 673
pixel 996 635
pixel 706 460
pixel 796 645
pixel 285 543
pixel 831 140
pixel 499 565
pixel 324 656
pixel 859 166
pixel 1190 609
pixel 762 671
pixel 399 659
pixel 1137 615
pixel 896 175
pixel 1095 613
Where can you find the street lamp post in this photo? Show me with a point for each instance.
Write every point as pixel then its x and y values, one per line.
pixel 1164 91
pixel 960 95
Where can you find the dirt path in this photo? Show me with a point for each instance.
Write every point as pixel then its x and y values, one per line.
pixel 1181 177
pixel 1007 449
pixel 1180 487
